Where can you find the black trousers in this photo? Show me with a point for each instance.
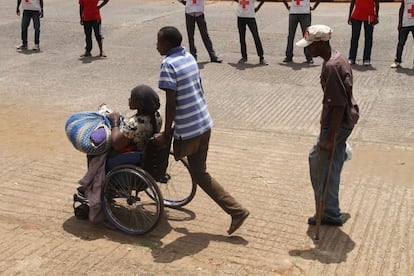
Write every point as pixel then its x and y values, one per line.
pixel 202 26
pixel 88 26
pixel 251 23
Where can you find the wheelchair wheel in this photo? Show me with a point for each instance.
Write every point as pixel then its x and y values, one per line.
pixel 177 187
pixel 131 200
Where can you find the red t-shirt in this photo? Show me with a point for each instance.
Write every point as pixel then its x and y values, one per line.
pixel 364 10
pixel 90 10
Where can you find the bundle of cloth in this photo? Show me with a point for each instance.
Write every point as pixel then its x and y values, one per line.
pixel 90 132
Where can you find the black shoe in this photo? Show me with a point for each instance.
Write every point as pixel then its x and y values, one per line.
pixel 262 61
pixel 309 61
pixel 286 60
pixel 216 60
pixel 237 221
pixel 324 221
pixel 242 60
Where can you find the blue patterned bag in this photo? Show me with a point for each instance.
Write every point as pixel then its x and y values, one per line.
pixel 79 128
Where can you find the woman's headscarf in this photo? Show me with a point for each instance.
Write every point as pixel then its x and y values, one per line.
pixel 150 102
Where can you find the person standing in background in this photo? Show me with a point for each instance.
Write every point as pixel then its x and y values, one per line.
pixel 194 13
pixel 246 16
pixel 32 10
pixel 405 26
pixel 362 12
pixel 299 13
pixel 90 18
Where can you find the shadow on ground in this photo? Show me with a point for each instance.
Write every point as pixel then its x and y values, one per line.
pixel 190 244
pixel 333 246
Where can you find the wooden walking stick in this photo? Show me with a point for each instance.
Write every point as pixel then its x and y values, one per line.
pixel 320 198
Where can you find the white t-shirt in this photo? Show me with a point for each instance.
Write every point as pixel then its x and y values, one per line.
pixel 31 5
pixel 300 6
pixel 408 15
pixel 246 8
pixel 194 6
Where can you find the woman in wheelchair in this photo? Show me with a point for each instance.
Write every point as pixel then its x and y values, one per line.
pixel 132 134
pixel 129 136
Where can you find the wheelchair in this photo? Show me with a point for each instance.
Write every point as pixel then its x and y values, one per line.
pixel 133 197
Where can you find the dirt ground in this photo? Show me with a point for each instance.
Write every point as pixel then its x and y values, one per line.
pixel 38 179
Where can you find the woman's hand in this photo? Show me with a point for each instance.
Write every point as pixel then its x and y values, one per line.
pixel 114 116
pixel 160 139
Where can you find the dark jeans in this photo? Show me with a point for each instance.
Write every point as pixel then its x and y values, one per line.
pixel 251 22
pixel 88 26
pixel 202 26
pixel 27 16
pixel 196 151
pixel 356 31
pixel 294 19
pixel 318 166
pixel 402 38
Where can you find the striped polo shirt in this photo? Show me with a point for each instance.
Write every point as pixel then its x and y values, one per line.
pixel 179 72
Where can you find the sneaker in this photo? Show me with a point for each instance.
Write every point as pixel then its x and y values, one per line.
pixel 286 60
pixel 263 61
pixel 395 65
pixel 324 221
pixel 242 60
pixel 309 61
pixel 216 60
pixel 351 61
pixel 21 47
pixel 36 47
pixel 366 63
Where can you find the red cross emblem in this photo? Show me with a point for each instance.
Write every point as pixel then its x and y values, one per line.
pixel 411 11
pixel 244 3
pixel 298 2
pixel 194 2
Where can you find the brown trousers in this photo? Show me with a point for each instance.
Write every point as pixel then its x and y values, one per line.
pixel 196 151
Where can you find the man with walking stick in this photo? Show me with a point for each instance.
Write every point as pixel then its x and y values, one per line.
pixel 340 113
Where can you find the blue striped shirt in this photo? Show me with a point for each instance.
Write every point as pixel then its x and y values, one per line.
pixel 179 72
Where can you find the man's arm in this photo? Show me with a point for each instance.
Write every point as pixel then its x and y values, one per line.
pixel 376 3
pixel 400 15
pixel 104 2
pixel 41 8
pixel 170 109
pixel 286 4
pixel 80 13
pixel 259 6
pixel 351 8
pixel 18 5
pixel 315 5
